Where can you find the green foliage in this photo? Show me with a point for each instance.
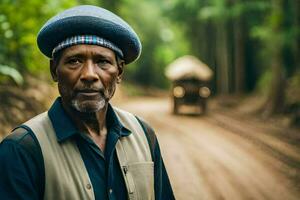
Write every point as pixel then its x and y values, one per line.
pixel 279 31
pixel 162 42
pixel 11 72
pixel 216 10
pixel 168 29
pixel 20 23
pixel 295 81
pixel 264 83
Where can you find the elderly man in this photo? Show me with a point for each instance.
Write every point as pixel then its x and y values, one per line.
pixel 83 148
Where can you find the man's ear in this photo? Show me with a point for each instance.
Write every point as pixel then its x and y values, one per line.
pixel 121 65
pixel 53 66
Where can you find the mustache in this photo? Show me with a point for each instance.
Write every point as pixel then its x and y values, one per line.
pixel 87 88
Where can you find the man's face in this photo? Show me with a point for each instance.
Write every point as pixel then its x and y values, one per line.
pixel 87 77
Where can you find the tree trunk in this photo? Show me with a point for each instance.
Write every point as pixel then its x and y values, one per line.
pixel 276 97
pixel 296 7
pixel 222 59
pixel 239 57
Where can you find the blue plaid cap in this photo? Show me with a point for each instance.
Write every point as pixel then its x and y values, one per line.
pixel 91 21
pixel 87 39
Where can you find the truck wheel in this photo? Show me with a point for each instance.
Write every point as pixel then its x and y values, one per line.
pixel 175 107
pixel 203 106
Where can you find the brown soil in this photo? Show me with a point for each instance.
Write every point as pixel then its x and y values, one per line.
pixel 19 104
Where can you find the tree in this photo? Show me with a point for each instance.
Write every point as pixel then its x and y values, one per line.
pixel 279 35
pixel 20 24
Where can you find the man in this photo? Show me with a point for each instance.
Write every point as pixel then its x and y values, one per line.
pixel 83 148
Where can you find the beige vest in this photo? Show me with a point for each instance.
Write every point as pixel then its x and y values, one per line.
pixel 66 177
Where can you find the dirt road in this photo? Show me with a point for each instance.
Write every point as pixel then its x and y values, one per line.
pixel 216 157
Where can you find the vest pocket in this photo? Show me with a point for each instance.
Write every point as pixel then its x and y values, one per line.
pixel 129 181
pixel 142 174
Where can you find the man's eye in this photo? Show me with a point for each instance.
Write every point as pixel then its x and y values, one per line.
pixel 103 63
pixel 73 61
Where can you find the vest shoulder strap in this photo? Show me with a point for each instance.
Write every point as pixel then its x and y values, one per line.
pixel 150 134
pixel 22 136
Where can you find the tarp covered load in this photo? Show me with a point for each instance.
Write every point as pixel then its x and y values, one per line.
pixel 188 67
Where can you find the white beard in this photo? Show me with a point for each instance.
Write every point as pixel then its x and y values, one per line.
pixel 88 108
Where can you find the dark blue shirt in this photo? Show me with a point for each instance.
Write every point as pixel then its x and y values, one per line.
pixel 22 172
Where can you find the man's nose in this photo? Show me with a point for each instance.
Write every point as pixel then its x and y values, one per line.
pixel 88 72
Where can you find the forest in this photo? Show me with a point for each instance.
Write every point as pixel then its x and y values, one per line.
pixel 253 46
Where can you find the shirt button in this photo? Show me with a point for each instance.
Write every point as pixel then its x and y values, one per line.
pixel 110 191
pixel 88 186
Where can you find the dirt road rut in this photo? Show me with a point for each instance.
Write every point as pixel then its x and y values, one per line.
pixel 215 157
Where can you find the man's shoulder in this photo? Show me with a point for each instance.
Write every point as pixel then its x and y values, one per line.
pixel 23 137
pixel 148 130
pixel 140 119
pixel 146 126
pixel 150 134
pixel 19 135
pixel 120 110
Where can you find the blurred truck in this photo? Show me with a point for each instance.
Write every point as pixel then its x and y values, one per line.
pixel 190 82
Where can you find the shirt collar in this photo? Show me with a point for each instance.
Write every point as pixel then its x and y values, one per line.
pixel 64 127
pixel 113 122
